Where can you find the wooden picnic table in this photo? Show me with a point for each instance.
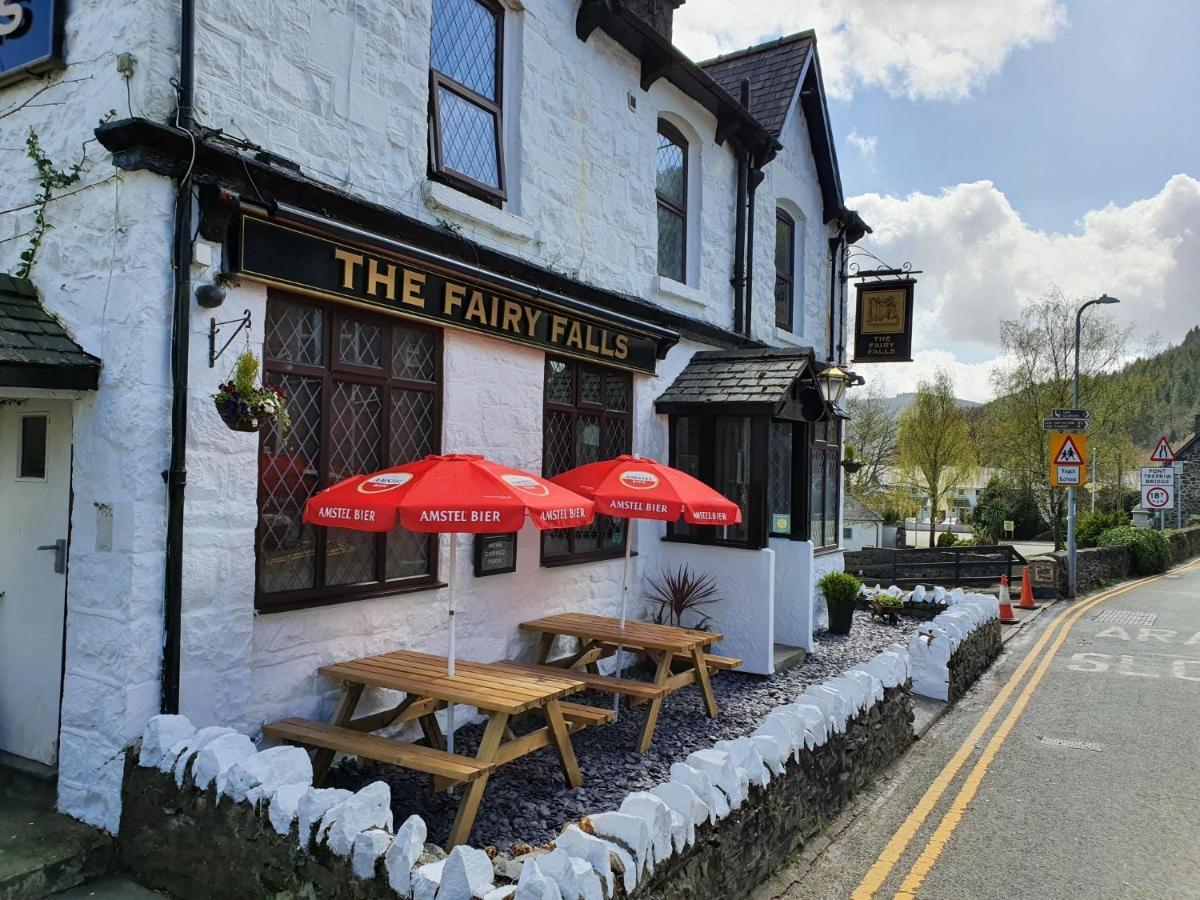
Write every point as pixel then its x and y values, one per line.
pixel 497 692
pixel 667 646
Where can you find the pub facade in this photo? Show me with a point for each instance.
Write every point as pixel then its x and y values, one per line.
pixel 533 230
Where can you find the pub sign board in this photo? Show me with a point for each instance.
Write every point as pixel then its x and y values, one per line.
pixel 281 255
pixel 883 321
pixel 31 37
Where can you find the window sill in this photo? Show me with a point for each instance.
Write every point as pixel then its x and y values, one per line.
pixel 790 338
pixel 827 551
pixel 722 545
pixel 582 559
pixel 338 599
pixel 676 290
pixel 443 198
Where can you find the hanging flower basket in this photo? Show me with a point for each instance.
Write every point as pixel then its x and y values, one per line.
pixel 851 465
pixel 244 406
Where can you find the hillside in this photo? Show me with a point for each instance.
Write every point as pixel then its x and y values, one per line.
pixel 1172 407
pixel 1176 401
pixel 901 401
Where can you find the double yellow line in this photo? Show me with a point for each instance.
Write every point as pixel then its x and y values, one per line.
pixel 1054 636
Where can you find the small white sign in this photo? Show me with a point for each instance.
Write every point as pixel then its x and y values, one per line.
pixel 1068 474
pixel 1158 497
pixel 1158 476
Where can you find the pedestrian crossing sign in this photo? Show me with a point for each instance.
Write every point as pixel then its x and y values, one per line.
pixel 1068 456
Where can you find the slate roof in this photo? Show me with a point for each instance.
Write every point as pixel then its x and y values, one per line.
pixel 773 69
pixel 856 512
pixel 738 376
pixel 35 350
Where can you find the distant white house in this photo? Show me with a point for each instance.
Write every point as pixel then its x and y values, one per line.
pixel 860 527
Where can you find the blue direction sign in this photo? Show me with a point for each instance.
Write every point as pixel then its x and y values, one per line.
pixel 30 37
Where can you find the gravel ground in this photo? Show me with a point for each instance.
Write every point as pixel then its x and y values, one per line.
pixel 526 801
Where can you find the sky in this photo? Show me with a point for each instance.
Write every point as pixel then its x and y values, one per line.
pixel 1006 148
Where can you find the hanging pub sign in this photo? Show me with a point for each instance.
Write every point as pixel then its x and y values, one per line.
pixel 441 291
pixel 30 37
pixel 883 321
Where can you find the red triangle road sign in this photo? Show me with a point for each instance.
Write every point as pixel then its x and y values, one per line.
pixel 1163 452
pixel 1068 454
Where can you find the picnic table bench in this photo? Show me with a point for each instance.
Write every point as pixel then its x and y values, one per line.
pixel 678 655
pixel 499 692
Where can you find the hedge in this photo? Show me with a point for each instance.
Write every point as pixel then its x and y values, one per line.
pixel 1148 550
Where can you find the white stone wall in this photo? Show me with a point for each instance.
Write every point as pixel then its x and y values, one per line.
pixel 245 669
pixel 791 182
pixel 341 88
pixel 104 269
pixel 793 592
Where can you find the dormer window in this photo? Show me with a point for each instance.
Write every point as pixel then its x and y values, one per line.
pixel 671 187
pixel 465 127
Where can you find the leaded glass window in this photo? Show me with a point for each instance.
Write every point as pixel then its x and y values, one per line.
pixel 785 269
pixel 587 419
pixel 466 55
pixel 825 490
pixel 363 392
pixel 671 183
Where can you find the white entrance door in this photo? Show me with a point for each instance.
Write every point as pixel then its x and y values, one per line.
pixel 35 498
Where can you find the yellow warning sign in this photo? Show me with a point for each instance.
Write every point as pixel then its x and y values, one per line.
pixel 1068 456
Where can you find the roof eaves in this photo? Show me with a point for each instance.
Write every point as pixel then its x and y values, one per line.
pixel 661 59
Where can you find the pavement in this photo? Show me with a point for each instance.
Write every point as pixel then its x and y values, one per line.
pixel 1070 770
pixel 41 851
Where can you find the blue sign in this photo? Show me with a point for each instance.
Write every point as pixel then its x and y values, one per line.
pixel 30 37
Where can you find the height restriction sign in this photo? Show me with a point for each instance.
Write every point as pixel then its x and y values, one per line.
pixel 1068 456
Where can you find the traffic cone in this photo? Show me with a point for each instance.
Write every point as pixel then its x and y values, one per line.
pixel 1026 591
pixel 1007 616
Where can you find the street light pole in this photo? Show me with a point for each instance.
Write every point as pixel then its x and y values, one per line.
pixel 1072 567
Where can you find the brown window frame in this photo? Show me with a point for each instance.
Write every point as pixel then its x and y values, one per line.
pixel 783 220
pixel 576 409
pixel 675 136
pixel 330 372
pixel 493 194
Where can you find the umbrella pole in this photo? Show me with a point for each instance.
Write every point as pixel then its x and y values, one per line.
pixel 453 642
pixel 624 596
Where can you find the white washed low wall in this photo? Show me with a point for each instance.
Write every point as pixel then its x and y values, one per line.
pixel 935 642
pixel 590 859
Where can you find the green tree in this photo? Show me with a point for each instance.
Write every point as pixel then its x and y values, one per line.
pixel 1034 376
pixel 870 438
pixel 935 444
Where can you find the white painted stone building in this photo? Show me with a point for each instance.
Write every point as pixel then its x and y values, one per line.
pixel 315 132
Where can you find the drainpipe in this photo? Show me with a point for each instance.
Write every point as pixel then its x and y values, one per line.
pixel 835 245
pixel 755 178
pixel 740 321
pixel 176 474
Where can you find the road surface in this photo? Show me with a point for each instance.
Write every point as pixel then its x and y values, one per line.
pixel 1071 770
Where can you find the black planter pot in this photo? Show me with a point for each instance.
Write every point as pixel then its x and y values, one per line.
pixel 841 615
pixel 240 419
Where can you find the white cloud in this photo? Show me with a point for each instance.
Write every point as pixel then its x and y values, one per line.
pixel 981 263
pixel 921 49
pixel 866 145
pixel 972 381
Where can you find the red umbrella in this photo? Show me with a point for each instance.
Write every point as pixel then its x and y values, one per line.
pixel 635 487
pixel 460 492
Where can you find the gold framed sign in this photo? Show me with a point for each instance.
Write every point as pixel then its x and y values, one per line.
pixel 883 321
